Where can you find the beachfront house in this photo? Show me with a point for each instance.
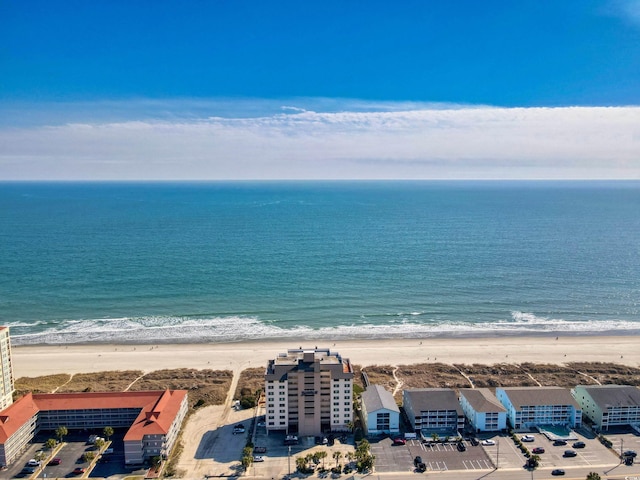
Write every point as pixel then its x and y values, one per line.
pixel 433 411
pixel 483 410
pixel 380 413
pixel 153 419
pixel 609 405
pixel 529 407
pixel 309 392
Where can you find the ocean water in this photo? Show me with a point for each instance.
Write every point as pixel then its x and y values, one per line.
pixel 224 262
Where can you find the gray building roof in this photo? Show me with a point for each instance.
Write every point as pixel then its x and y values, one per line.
pixel 482 400
pixel 375 397
pixel 535 396
pixel 613 395
pixel 430 399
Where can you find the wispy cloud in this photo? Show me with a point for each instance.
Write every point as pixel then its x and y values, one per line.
pixel 359 141
pixel 628 10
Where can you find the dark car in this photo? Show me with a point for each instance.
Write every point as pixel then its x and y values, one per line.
pixel 417 461
pixel 461 447
pixel 474 441
pixel 260 450
pixel 570 453
pixel 55 461
pixel 422 467
pixel 630 453
pixel 538 450
pixel 579 445
pixel 560 443
pixel 557 471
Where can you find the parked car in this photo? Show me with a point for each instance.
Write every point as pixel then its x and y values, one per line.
pixel 417 461
pixel 33 463
pixel 570 453
pixel 557 471
pixel 559 443
pixel 55 461
pixel 474 441
pixel 239 428
pixel 399 441
pixel 461 447
pixel 258 458
pixel 29 470
pixel 78 471
pixel 422 467
pixel 630 453
pixel 538 450
pixel 291 440
pixel 488 441
pixel 579 445
pixel 528 438
pixel 260 450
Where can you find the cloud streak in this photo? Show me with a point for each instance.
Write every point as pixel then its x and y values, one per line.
pixel 362 143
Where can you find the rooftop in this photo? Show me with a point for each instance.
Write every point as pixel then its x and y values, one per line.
pixel 430 399
pixel 614 395
pixel 538 396
pixel 482 400
pixel 376 397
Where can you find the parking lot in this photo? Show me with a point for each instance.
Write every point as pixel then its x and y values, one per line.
pixel 70 455
pixel 436 456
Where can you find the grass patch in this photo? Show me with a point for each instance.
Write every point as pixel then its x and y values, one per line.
pixel 45 384
pixel 206 387
pixel 111 381
pixel 251 380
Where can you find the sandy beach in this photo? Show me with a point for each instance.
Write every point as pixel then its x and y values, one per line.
pixel 32 361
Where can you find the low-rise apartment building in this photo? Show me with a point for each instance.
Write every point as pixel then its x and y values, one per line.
pixel 528 407
pixel 609 405
pixel 483 410
pixel 153 418
pixel 433 410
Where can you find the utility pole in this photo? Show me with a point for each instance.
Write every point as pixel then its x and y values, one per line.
pixel 289 460
pixel 498 454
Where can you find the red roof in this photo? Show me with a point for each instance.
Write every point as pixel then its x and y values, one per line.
pixel 16 415
pixel 158 409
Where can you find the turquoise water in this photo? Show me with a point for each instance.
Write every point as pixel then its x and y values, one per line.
pixel 191 262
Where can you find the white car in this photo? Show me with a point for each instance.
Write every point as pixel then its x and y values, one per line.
pixel 528 438
pixel 488 442
pixel 258 458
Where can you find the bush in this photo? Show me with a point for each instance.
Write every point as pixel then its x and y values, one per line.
pixel 248 401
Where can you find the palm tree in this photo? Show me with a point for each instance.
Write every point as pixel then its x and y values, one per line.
pixel 51 443
pixel 337 455
pixel 61 432
pixel 593 476
pixel 107 432
pixel 301 463
pixel 322 455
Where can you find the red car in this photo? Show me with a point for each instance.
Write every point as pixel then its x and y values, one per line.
pixel 399 441
pixel 538 450
pixel 55 461
pixel 78 471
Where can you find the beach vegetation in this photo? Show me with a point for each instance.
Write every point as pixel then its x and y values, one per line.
pixel 51 443
pixel 99 443
pixel 44 384
pixel 88 456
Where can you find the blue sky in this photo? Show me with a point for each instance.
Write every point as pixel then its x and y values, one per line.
pixel 332 89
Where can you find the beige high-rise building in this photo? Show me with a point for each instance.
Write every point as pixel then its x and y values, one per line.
pixel 6 370
pixel 309 392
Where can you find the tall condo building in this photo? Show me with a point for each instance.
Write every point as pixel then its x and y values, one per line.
pixel 6 370
pixel 309 392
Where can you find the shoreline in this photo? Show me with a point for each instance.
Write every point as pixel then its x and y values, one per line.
pixel 39 360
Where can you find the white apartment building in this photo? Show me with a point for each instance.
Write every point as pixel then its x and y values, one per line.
pixel 309 392
pixel 483 410
pixel 6 369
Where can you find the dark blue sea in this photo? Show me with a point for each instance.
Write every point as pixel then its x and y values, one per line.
pixel 223 262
